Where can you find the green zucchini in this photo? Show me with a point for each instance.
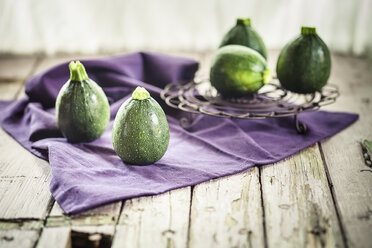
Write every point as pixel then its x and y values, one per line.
pixel 140 134
pixel 243 34
pixel 238 71
pixel 304 64
pixel 82 108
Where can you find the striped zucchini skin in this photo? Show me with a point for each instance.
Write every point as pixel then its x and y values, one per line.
pixel 82 110
pixel 304 64
pixel 243 34
pixel 238 71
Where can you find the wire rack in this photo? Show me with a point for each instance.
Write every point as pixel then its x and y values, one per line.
pixel 272 100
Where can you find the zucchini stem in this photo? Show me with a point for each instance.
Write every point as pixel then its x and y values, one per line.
pixel 308 30
pixel 244 21
pixel 77 71
pixel 140 93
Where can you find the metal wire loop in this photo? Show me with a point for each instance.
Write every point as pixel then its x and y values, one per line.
pixel 271 101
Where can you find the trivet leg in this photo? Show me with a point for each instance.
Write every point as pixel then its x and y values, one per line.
pixel 187 120
pixel 300 127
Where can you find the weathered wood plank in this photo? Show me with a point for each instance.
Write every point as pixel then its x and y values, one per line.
pixel 58 237
pixel 76 236
pixel 227 212
pixel 103 215
pixel 21 224
pixel 15 177
pixel 155 221
pixel 351 185
pixel 104 229
pixel 18 238
pixel 299 211
pixel 15 68
pixel 22 194
pixel 9 90
pixel 108 209
pixel 350 177
pixel 25 192
pixel 13 72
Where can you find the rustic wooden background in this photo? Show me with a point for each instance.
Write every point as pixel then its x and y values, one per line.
pixel 320 197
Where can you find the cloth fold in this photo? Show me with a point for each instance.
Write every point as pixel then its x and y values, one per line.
pixel 86 175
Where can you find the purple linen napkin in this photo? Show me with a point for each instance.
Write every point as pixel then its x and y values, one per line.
pixel 86 175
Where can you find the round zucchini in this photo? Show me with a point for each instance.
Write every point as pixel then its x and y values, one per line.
pixel 304 64
pixel 243 34
pixel 238 71
pixel 140 134
pixel 82 108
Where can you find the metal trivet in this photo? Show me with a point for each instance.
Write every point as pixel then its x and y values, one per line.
pixel 272 100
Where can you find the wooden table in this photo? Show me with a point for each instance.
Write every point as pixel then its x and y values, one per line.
pixel 320 197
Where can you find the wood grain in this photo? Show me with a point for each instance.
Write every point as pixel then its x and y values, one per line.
pixel 21 224
pixel 299 211
pixel 19 192
pixel 110 209
pixel 104 215
pixel 9 89
pixel 24 179
pixel 15 68
pixel 155 221
pixel 350 177
pixel 25 195
pixel 227 212
pixel 60 237
pixel 18 238
pixel 57 237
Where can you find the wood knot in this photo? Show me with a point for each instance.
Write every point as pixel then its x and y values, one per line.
pixel 7 238
pixel 366 216
pixel 318 230
pixel 168 232
pixel 284 206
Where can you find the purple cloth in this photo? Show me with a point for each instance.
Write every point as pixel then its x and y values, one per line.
pixel 86 175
